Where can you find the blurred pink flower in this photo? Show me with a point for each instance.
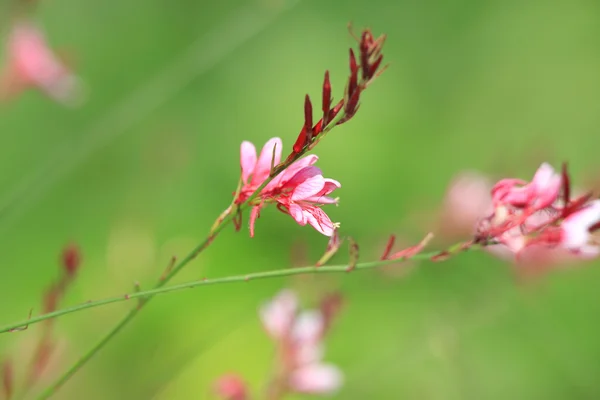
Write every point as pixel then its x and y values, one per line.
pixel 534 223
pixel 299 336
pixel 540 193
pixel 299 190
pixel 466 202
pixel 31 63
pixel 231 387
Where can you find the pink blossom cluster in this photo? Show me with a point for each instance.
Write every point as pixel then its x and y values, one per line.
pixel 541 215
pixel 300 190
pixel 299 336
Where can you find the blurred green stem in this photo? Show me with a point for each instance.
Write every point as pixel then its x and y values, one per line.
pixel 147 294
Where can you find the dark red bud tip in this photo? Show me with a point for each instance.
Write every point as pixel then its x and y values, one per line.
pixel 566 184
pixel 71 259
pixel 326 97
pixel 308 117
pixel 353 79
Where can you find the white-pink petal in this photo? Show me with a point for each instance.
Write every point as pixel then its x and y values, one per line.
pixel 575 228
pixel 319 220
pixel 308 188
pixel 278 315
pixel 270 154
pixel 308 327
pixel 316 379
pixel 247 160
pixel 298 214
pixel 292 170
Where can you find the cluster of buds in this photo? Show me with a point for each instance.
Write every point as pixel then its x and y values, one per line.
pixel 541 214
pixel 31 63
pixel 46 345
pixel 370 62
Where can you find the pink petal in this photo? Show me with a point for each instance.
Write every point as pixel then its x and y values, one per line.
pixel 297 213
pixel 321 197
pixel 319 220
pixel 547 184
pixel 247 160
pixel 308 327
pixel 290 171
pixel 316 379
pixel 308 188
pixel 263 165
pixel 254 214
pixel 278 315
pixel 301 176
pixel 576 227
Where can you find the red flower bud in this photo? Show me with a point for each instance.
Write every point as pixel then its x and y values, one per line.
pixel 326 98
pixel 71 259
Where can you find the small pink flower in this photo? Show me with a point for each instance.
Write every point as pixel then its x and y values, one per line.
pixel 299 190
pixel 540 193
pixel 231 387
pixel 31 62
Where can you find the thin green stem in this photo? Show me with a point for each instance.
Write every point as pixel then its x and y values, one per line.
pixel 147 294
pixel 50 390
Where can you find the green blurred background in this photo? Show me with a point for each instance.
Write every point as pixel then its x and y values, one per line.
pixel 140 172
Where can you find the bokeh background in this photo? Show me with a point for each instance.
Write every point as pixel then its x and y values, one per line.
pixel 141 170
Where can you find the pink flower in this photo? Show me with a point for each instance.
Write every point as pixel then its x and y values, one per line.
pixel 299 190
pixel 231 387
pixel 299 336
pixel 32 63
pixel 540 193
pixel 533 224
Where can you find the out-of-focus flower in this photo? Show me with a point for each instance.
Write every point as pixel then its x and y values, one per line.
pixel 540 193
pixel 466 202
pixel 299 336
pixel 299 190
pixel 32 63
pixel 231 387
pixel 539 220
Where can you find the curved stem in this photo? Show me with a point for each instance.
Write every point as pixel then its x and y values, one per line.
pixel 50 390
pixel 147 294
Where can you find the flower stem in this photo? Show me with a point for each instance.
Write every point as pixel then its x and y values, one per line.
pixel 146 295
pixel 50 390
